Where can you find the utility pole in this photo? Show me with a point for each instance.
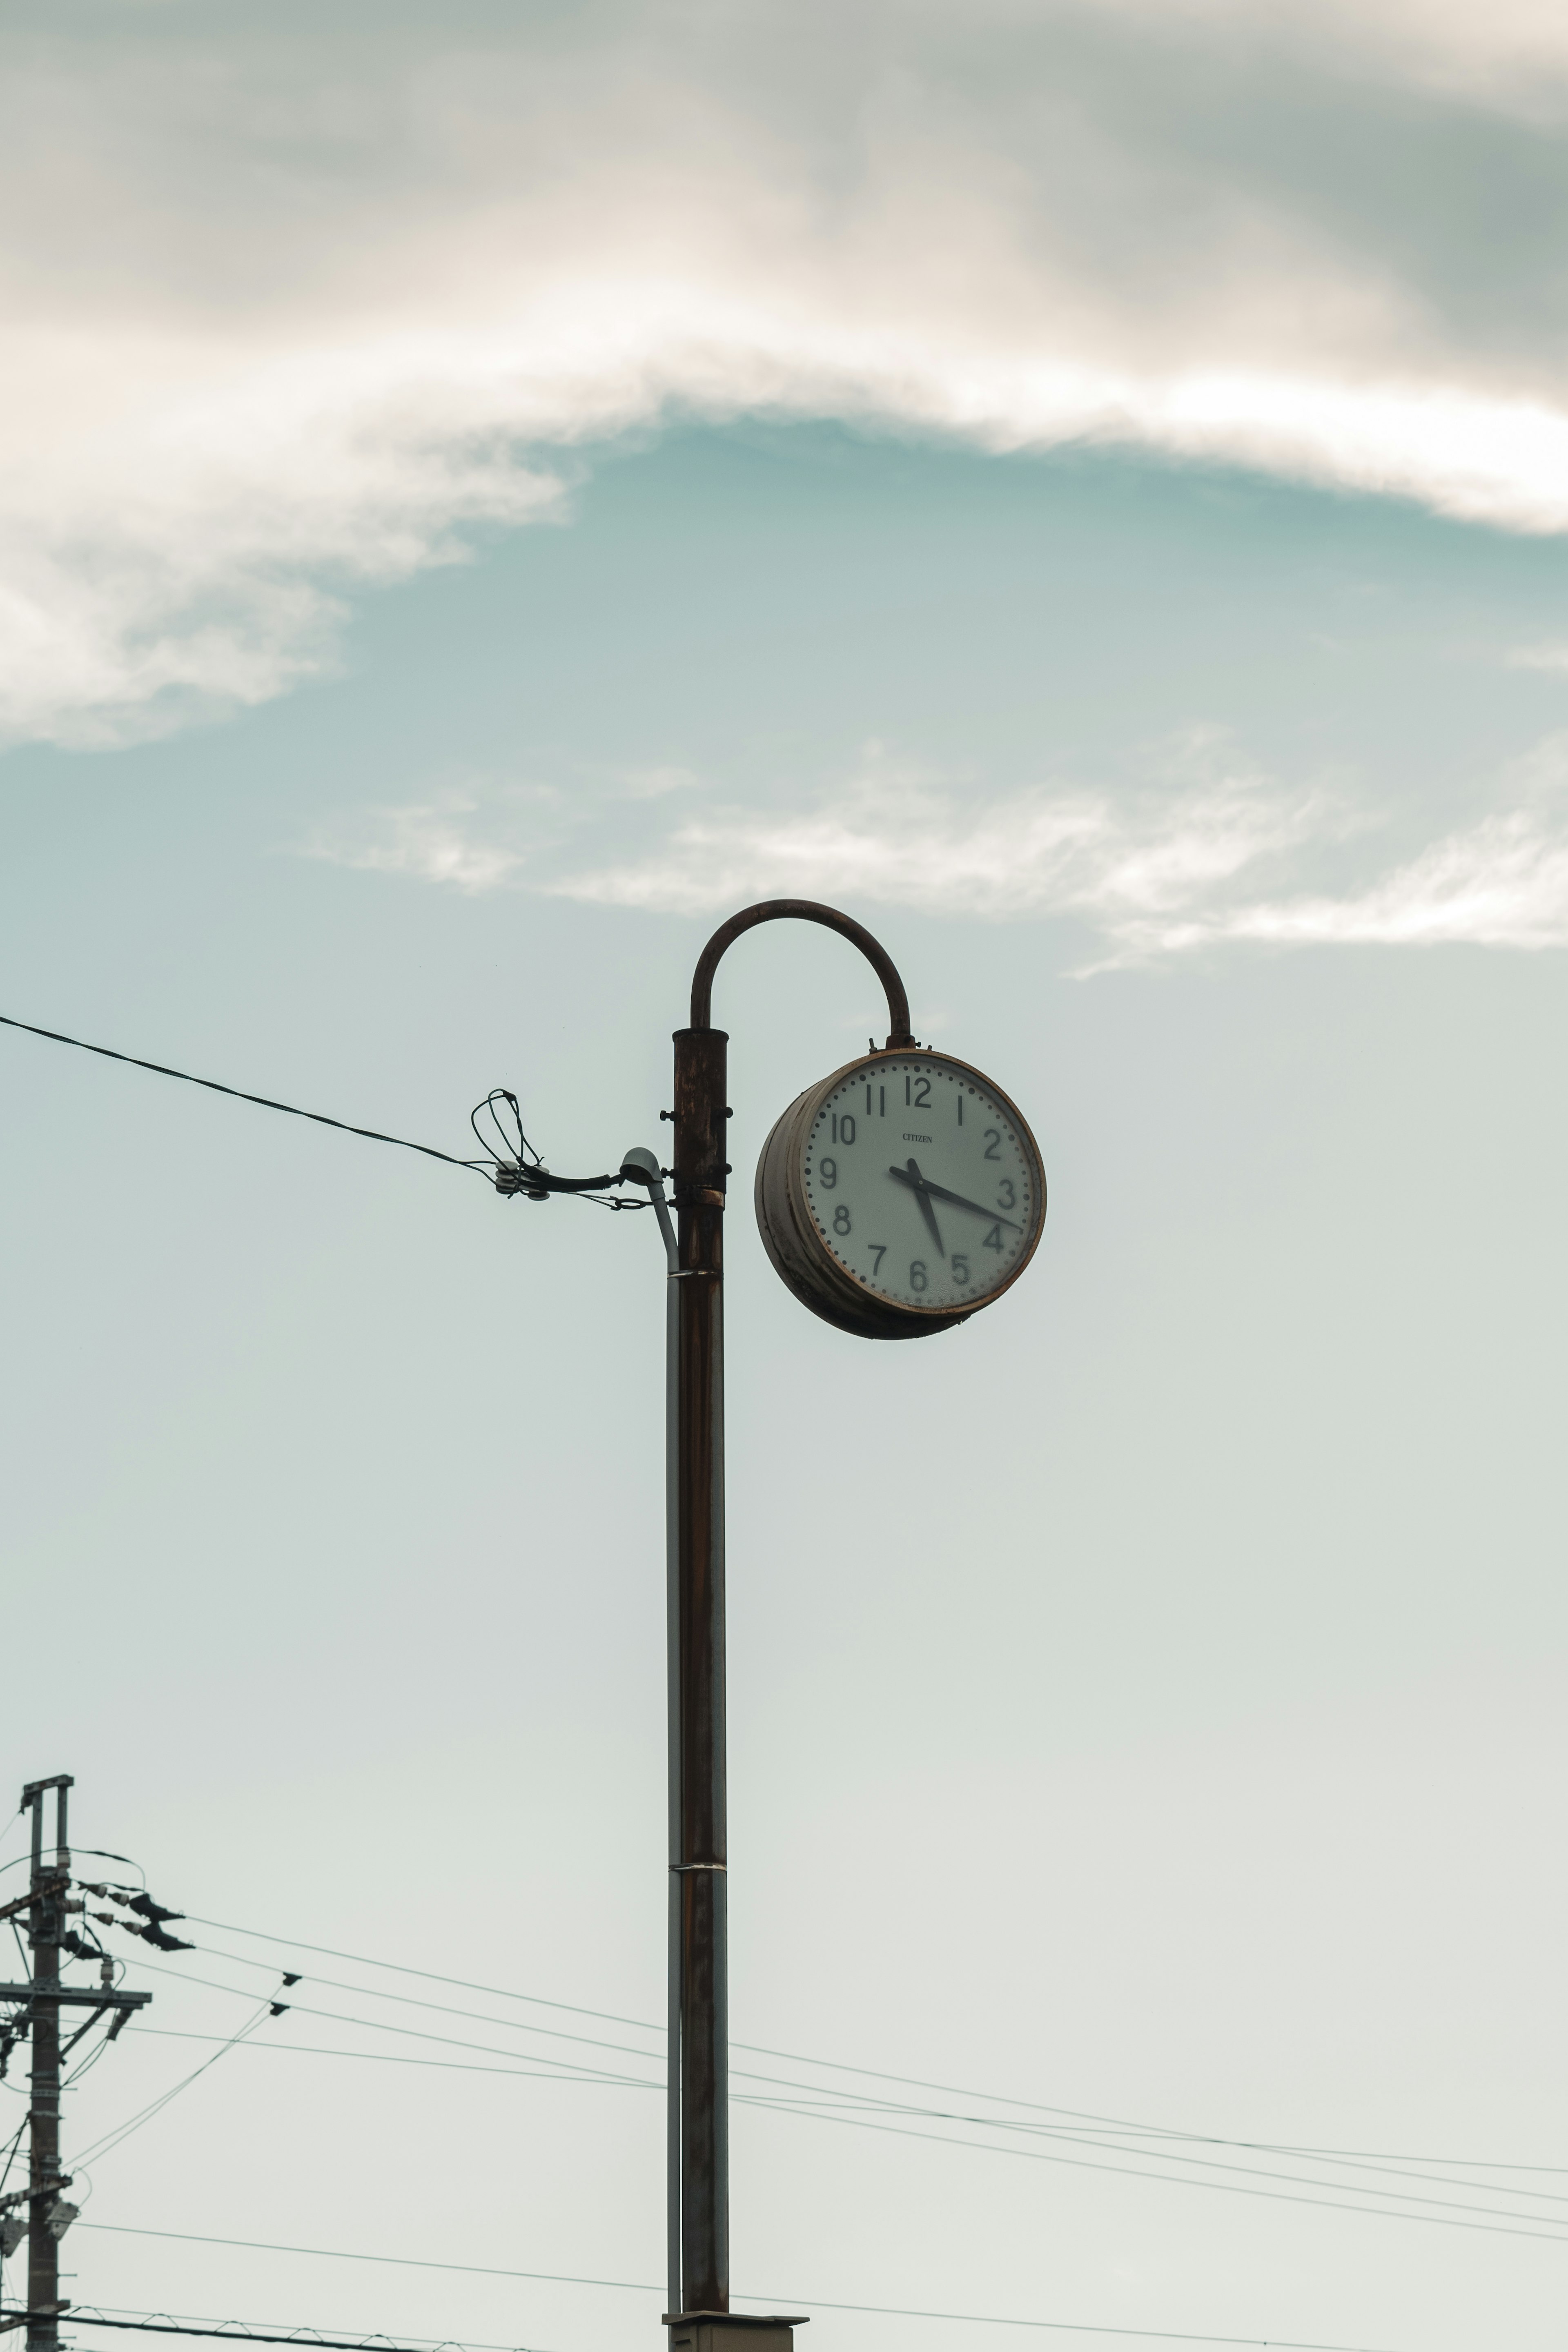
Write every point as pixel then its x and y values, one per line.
pixel 44 1922
pixel 700 2318
pixel 47 1903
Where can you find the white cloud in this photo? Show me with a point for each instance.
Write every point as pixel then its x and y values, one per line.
pixel 1512 55
pixel 427 842
pixel 291 313
pixel 1500 883
pixel 893 838
pixel 1153 874
pixel 1214 854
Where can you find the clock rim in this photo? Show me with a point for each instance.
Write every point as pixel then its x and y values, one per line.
pixel 808 1268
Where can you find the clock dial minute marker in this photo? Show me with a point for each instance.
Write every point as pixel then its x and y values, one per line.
pixel 923 1186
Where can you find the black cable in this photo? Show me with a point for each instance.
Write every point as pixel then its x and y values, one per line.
pixel 778 2302
pixel 85 2066
pixel 599 2077
pixel 415 2033
pixel 239 2331
pixel 587 1187
pixel 101 1853
pixel 264 1102
pixel 1500 2222
pixel 465 1984
pixel 441 2007
pixel 110 2140
pixel 1224 2188
pixel 520 1152
pixel 841 2066
pixel 994 2123
pixel 11 2151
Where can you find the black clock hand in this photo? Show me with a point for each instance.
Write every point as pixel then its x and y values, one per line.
pixel 917 1185
pixel 940 1192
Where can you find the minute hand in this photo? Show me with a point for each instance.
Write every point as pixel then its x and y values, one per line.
pixel 941 1192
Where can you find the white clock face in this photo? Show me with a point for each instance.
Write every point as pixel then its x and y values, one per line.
pixel 920 1183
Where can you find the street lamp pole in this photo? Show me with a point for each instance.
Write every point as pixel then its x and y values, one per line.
pixel 698 2053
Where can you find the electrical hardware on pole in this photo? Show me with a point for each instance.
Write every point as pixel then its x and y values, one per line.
pixel 41 2212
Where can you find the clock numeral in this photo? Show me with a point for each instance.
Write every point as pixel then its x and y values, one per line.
pixel 993 1144
pixel 1007 1197
pixel 920 1099
pixel 917 1273
pixel 992 1239
pixel 841 1219
pixel 828 1173
pixel 844 1126
pixel 961 1110
pixel 879 1251
pixel 881 1093
pixel 961 1269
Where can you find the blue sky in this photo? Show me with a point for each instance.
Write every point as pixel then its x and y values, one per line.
pixel 1082 491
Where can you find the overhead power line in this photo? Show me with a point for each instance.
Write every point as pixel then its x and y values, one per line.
pixel 1141 2152
pixel 843 2066
pixel 110 2140
pixel 263 1102
pixel 523 1173
pixel 240 2331
pixel 777 2301
pixel 872 2115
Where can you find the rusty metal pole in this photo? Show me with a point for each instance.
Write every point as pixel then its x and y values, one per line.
pixel 43 1924
pixel 699 2051
pixel 698 1861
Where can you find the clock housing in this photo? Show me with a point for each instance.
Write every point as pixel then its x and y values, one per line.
pixel 901 1194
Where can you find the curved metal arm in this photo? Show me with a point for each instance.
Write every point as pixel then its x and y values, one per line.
pixel 804 910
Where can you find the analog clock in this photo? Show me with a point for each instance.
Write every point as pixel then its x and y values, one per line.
pixel 901 1195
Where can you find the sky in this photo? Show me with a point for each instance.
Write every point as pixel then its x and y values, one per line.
pixel 484 493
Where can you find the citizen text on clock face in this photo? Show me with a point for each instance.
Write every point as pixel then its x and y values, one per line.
pixel 919 1182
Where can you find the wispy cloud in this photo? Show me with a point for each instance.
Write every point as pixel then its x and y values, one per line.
pixel 1502 883
pixel 451 839
pixel 894 838
pixel 438 249
pixel 1213 853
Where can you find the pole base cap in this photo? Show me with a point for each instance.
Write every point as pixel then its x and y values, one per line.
pixel 730 2331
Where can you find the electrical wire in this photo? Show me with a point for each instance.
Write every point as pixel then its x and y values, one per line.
pixel 101 1854
pixel 380 2025
pixel 1500 2218
pixel 16 2143
pixel 1226 2188
pixel 778 2302
pixel 512 1152
pixel 488 1167
pixel 396 2058
pixel 110 2140
pixel 514 1149
pixel 217 1086
pixel 443 2009
pixel 1101 2124
pixel 429 1976
pixel 996 2122
pixel 242 2331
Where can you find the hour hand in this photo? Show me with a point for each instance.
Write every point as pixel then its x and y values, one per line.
pixel 911 1176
